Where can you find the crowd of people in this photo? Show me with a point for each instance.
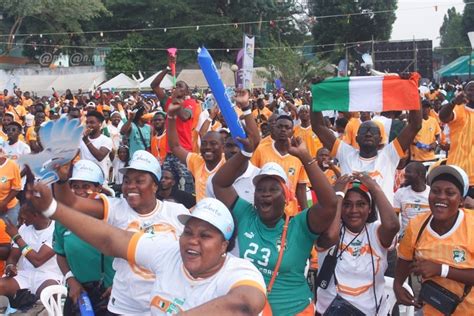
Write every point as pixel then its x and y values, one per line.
pixel 163 211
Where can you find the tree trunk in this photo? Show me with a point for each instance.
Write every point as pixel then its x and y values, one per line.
pixel 13 30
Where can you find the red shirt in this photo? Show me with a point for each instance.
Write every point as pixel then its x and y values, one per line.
pixel 183 128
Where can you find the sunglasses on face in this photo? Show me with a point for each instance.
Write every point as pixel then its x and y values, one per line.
pixel 366 129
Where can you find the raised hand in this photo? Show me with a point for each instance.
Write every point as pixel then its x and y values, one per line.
pixel 40 196
pixel 297 147
pixel 242 97
pixel 366 180
pixel 342 183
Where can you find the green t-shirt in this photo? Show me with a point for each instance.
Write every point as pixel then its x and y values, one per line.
pixel 83 259
pixel 260 245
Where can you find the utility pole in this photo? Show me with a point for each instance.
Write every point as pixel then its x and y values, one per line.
pixel 373 51
pixel 347 60
pixel 415 53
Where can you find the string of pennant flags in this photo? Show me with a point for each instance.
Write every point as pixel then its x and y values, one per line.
pixel 229 49
pixel 312 19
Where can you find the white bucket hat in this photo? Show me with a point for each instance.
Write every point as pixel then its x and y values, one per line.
pixel 271 169
pixel 457 172
pixel 86 170
pixel 215 213
pixel 142 160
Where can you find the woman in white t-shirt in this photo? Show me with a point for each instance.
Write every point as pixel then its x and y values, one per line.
pixel 137 211
pixel 358 245
pixel 32 263
pixel 197 274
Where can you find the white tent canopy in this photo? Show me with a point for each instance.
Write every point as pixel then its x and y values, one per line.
pixel 41 81
pixel 120 82
pixel 166 83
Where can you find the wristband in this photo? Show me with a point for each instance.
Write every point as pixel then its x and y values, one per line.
pixel 25 250
pixel 171 117
pixel 247 112
pixel 444 270
pixel 10 264
pixel 246 153
pixel 62 181
pixel 340 193
pixel 16 237
pixel 246 108
pixel 68 275
pixel 311 162
pixel 51 209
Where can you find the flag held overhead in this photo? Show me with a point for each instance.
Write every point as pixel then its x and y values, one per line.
pixel 373 93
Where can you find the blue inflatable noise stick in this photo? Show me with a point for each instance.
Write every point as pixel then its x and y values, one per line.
pixel 218 90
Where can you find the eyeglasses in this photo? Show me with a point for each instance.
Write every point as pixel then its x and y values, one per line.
pixel 374 130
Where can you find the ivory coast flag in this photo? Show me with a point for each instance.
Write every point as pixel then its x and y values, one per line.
pixel 373 93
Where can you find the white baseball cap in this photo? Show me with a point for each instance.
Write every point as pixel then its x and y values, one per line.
pixel 457 172
pixel 142 160
pixel 271 169
pixel 215 213
pixel 86 170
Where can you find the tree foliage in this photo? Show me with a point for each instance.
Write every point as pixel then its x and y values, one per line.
pixel 468 17
pixel 453 36
pixel 173 13
pixel 290 66
pixel 47 15
pixel 353 28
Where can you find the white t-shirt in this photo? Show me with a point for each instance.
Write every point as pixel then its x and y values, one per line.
pixel 101 141
pixel 132 284
pixel 117 164
pixel 354 272
pixel 36 239
pixel 14 152
pixel 175 289
pixel 243 185
pixel 115 135
pixel 381 168
pixel 410 204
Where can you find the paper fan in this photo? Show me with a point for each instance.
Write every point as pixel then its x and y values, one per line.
pixel 60 140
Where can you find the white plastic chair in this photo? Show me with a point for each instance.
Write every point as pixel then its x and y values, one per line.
pixel 392 300
pixel 52 298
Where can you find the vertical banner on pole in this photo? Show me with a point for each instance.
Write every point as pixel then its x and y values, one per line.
pixel 247 71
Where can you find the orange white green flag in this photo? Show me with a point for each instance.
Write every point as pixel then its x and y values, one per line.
pixel 372 93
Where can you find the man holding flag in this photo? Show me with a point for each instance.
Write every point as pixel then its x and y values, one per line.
pixel 368 94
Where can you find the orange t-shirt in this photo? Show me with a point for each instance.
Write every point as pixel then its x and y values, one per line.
pixel 293 167
pixel 197 167
pixel 265 112
pixel 30 134
pixel 427 135
pixel 18 111
pixel 455 248
pixel 461 133
pixel 9 180
pixel 331 175
pixel 4 239
pixel 309 137
pixel 158 146
pixel 26 103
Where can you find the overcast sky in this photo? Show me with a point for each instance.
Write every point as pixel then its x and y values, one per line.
pixel 419 19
